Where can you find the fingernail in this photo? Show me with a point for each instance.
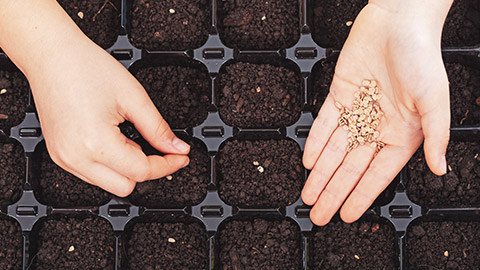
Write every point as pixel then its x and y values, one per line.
pixel 180 145
pixel 186 163
pixel 443 164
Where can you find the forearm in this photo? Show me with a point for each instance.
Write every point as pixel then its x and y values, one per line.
pixel 35 33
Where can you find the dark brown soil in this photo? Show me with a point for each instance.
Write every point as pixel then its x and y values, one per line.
pixel 462 27
pixel 464 94
pixel 259 244
pixel 153 246
pixel 181 94
pixel 170 24
pixel 101 19
pixel 74 243
pixel 10 245
pixel 322 77
pixel 187 186
pixel 330 17
pixel 259 95
pixel 459 187
pixel 258 24
pixel 260 173
pixel 443 245
pixel 14 102
pixel 365 244
pixel 59 188
pixel 12 172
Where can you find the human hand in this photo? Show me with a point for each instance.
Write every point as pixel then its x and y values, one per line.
pixel 82 94
pixel 398 45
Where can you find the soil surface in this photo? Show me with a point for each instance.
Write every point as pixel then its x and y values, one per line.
pixel 153 246
pixel 11 242
pixel 181 94
pixel 260 173
pixel 188 186
pixel 462 27
pixel 14 102
pixel 322 77
pixel 98 19
pixel 170 24
pixel 260 244
pixel 259 24
pixel 365 244
pixel 331 21
pixel 12 172
pixel 259 95
pixel 459 187
pixel 75 243
pixel 464 94
pixel 59 188
pixel 443 245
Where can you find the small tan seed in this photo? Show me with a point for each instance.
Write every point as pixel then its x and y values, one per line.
pixel 71 248
pixel 80 15
pixel 3 91
pixel 357 257
pixel 338 105
pixel 365 82
pixel 445 253
pixel 169 177
pixel 449 168
pixel 3 116
pixel 172 11
pixel 171 240
pixel 349 23
pixel 259 89
pixel 255 163
pixel 264 17
pixel 260 169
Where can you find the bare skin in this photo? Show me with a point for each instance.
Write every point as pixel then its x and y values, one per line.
pixel 397 43
pixel 81 95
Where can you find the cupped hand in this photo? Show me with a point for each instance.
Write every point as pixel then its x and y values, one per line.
pixel 81 98
pixel 398 46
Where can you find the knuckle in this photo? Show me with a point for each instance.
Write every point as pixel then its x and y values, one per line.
pixel 161 128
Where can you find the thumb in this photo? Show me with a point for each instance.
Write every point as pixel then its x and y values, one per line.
pixel 141 111
pixel 434 109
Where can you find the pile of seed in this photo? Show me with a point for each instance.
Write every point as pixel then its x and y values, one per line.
pixel 363 119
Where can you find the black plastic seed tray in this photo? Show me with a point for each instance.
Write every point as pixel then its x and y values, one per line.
pixel 393 209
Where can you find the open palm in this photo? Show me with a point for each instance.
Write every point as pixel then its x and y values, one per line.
pixel 401 51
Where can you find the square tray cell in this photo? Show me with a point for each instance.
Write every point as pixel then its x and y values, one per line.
pixel 459 187
pixel 163 245
pixel 259 95
pixel 462 27
pixel 260 173
pixel 14 99
pixel 11 242
pixel 186 187
pixel 169 24
pixel 72 242
pixel 464 94
pixel 58 188
pixel 98 19
pixel 259 244
pixel 321 79
pixel 332 21
pixel 12 172
pixel 365 244
pixel 443 245
pixel 181 94
pixel 259 24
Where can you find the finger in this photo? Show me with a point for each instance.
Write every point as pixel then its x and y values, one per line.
pixel 128 160
pixel 106 178
pixel 140 110
pixel 382 170
pixel 435 112
pixel 322 128
pixel 328 162
pixel 342 183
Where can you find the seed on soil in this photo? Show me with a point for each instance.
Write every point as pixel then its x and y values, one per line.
pixel 172 11
pixel 71 248
pixel 357 257
pixel 264 18
pixel 259 89
pixel 80 15
pixel 3 116
pixel 445 253
pixel 449 168
pixel 255 163
pixel 169 177
pixel 260 169
pixel 3 91
pixel 171 240
pixel 349 23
